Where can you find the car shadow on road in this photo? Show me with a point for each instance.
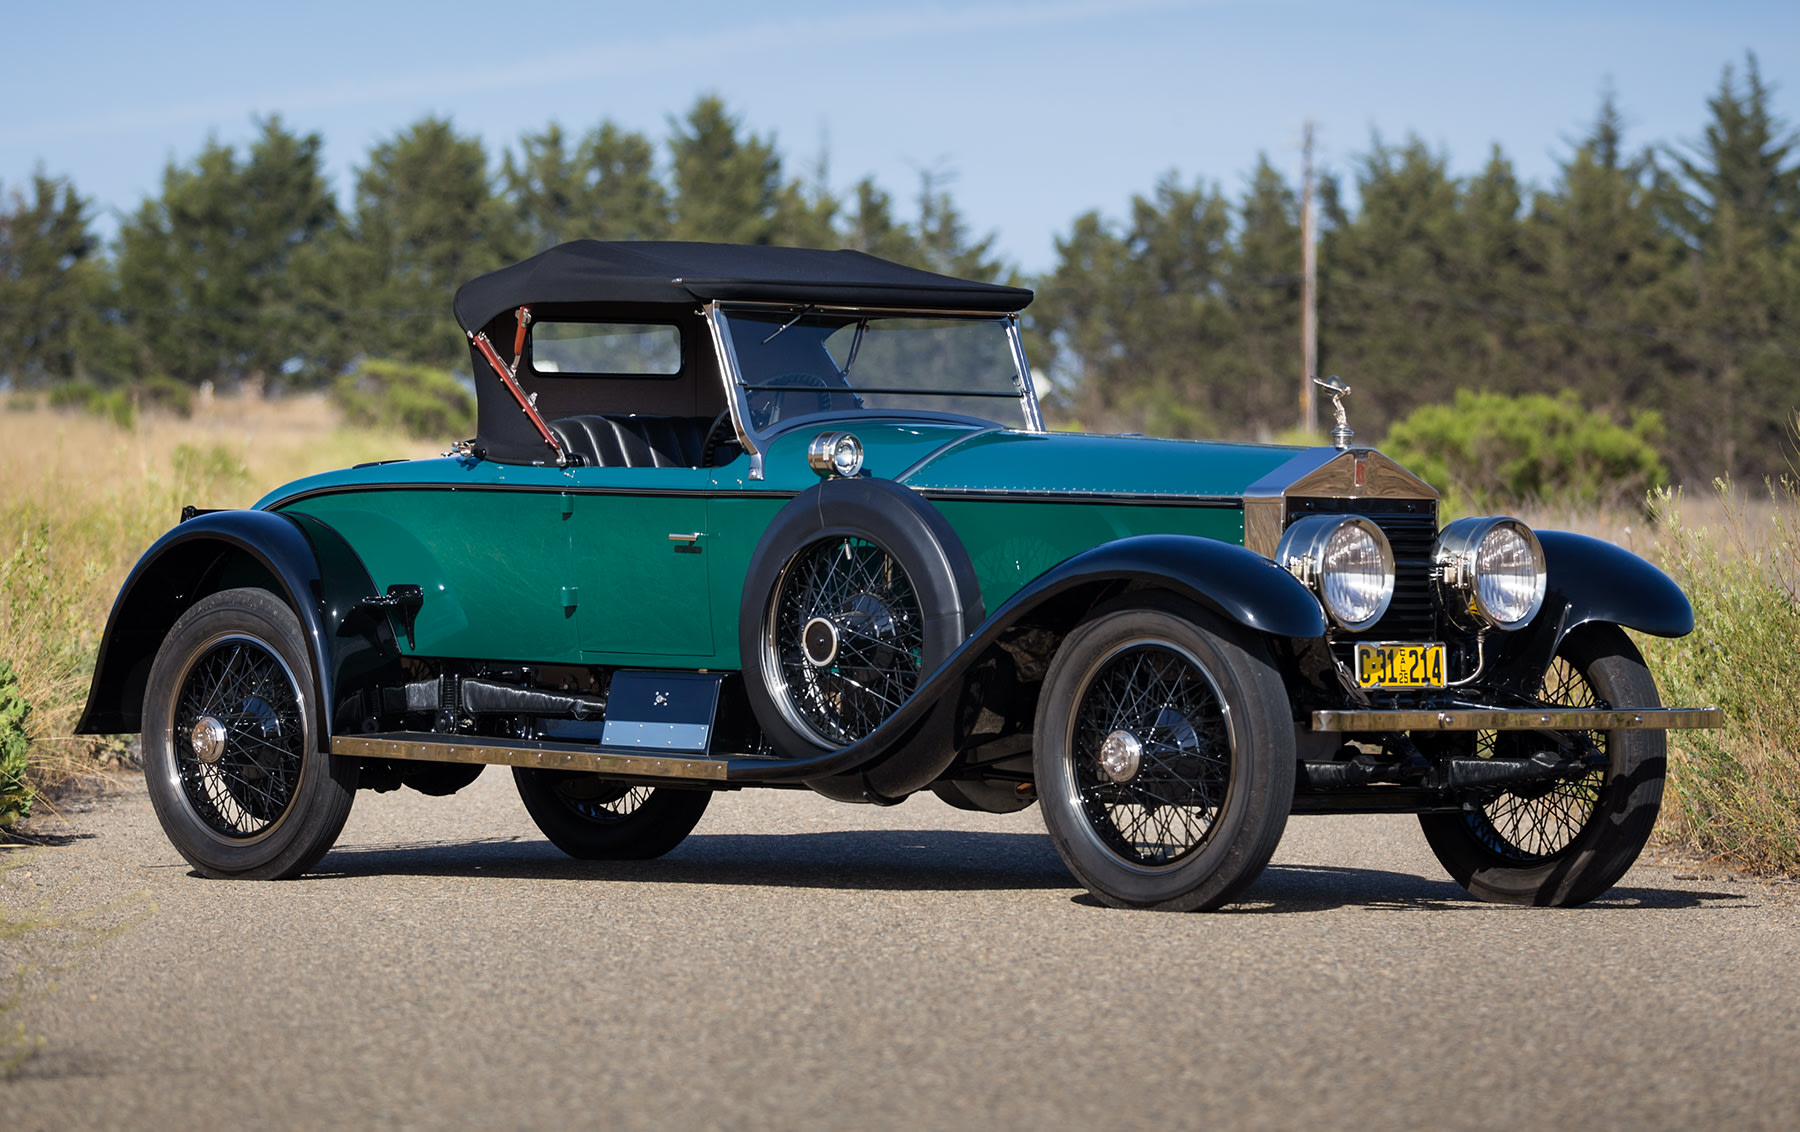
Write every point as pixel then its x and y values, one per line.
pixel 878 860
pixel 1318 888
pixel 924 861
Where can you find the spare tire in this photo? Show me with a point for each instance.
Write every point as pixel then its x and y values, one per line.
pixel 858 590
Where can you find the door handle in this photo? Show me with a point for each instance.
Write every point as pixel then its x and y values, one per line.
pixel 690 538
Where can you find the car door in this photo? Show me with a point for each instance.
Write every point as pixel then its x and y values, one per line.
pixel 639 558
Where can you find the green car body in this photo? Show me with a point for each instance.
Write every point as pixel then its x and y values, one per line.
pixel 770 517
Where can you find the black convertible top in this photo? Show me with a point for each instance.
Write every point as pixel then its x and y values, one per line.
pixel 592 271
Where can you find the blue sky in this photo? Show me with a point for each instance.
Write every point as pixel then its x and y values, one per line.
pixel 1040 110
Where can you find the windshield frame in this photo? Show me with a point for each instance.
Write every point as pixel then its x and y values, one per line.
pixel 755 441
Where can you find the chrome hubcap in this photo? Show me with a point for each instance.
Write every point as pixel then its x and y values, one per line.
pixel 1121 756
pixel 819 640
pixel 207 737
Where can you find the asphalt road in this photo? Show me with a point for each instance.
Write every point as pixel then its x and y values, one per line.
pixel 797 963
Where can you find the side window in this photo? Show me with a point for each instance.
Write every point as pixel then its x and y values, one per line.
pixel 613 349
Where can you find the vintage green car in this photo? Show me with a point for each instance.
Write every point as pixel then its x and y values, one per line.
pixel 754 516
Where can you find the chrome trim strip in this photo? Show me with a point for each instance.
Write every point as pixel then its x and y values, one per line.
pixel 1493 719
pixel 1034 418
pixel 734 385
pixel 426 747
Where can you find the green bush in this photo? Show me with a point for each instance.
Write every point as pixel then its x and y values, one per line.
pixel 15 792
pixel 1734 793
pixel 115 404
pixel 424 402
pixel 1488 450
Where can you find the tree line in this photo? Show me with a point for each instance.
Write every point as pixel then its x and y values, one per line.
pixel 1663 280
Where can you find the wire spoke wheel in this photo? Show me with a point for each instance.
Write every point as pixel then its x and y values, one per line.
pixel 598 800
pixel 1562 841
pixel 1534 823
pixel 847 638
pixel 232 756
pixel 1163 754
pixel 1156 699
pixel 239 738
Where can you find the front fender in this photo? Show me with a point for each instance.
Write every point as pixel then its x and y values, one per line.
pixel 1597 581
pixel 1237 583
pixel 298 558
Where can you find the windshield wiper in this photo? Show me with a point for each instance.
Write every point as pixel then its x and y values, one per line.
pixel 798 315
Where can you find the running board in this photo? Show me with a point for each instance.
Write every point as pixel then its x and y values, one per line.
pixel 1489 719
pixel 425 746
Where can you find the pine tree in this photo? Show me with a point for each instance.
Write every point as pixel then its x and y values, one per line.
pixel 603 189
pixel 232 271
pixel 51 281
pixel 427 222
pixel 727 188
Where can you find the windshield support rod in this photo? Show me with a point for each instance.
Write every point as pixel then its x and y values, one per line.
pixel 480 341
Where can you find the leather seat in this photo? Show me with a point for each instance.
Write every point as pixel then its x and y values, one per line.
pixel 633 441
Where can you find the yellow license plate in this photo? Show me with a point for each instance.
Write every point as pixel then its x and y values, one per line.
pixel 1386 664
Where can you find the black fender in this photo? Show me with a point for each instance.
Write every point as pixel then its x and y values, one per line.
pixel 298 558
pixel 1237 583
pixel 1598 581
pixel 1589 582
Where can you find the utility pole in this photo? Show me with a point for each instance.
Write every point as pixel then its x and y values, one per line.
pixel 1309 287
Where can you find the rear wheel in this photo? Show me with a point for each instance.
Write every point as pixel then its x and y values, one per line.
pixel 598 819
pixel 231 746
pixel 1164 757
pixel 1566 841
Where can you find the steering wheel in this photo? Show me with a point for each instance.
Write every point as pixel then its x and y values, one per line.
pixel 767 410
pixel 721 432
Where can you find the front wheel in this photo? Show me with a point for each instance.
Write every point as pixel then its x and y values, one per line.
pixel 231 747
pixel 1164 757
pixel 597 819
pixel 1562 843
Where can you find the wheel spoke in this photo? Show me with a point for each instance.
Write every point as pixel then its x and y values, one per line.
pixel 1167 810
pixel 1527 825
pixel 252 780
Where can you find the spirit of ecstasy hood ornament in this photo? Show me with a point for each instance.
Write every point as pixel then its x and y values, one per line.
pixel 1334 385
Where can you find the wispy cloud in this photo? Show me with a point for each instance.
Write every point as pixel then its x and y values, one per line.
pixel 613 60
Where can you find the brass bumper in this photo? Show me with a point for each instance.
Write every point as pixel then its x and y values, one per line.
pixel 1490 719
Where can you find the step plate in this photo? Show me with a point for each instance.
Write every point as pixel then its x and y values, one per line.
pixel 427 747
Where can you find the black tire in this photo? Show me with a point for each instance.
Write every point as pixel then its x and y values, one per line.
pixel 1206 768
pixel 232 751
pixel 1563 843
pixel 599 819
pixel 879 570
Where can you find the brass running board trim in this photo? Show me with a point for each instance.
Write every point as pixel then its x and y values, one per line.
pixel 427 747
pixel 1485 719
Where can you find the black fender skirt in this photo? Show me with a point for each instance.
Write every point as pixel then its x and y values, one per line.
pixel 1238 583
pixel 297 557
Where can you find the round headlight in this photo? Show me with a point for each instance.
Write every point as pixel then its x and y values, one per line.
pixel 1489 573
pixel 1346 561
pixel 835 454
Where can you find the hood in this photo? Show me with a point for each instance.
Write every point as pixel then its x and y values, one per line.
pixel 1086 465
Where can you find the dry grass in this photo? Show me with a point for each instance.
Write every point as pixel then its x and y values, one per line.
pixel 80 499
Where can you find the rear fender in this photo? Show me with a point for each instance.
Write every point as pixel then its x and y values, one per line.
pixel 296 557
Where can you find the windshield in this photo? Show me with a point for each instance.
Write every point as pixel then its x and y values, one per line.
pixel 797 362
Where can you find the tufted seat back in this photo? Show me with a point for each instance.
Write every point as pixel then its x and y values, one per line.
pixel 633 441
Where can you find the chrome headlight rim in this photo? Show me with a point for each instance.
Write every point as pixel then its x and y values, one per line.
pixel 835 454
pixel 1457 575
pixel 1303 552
